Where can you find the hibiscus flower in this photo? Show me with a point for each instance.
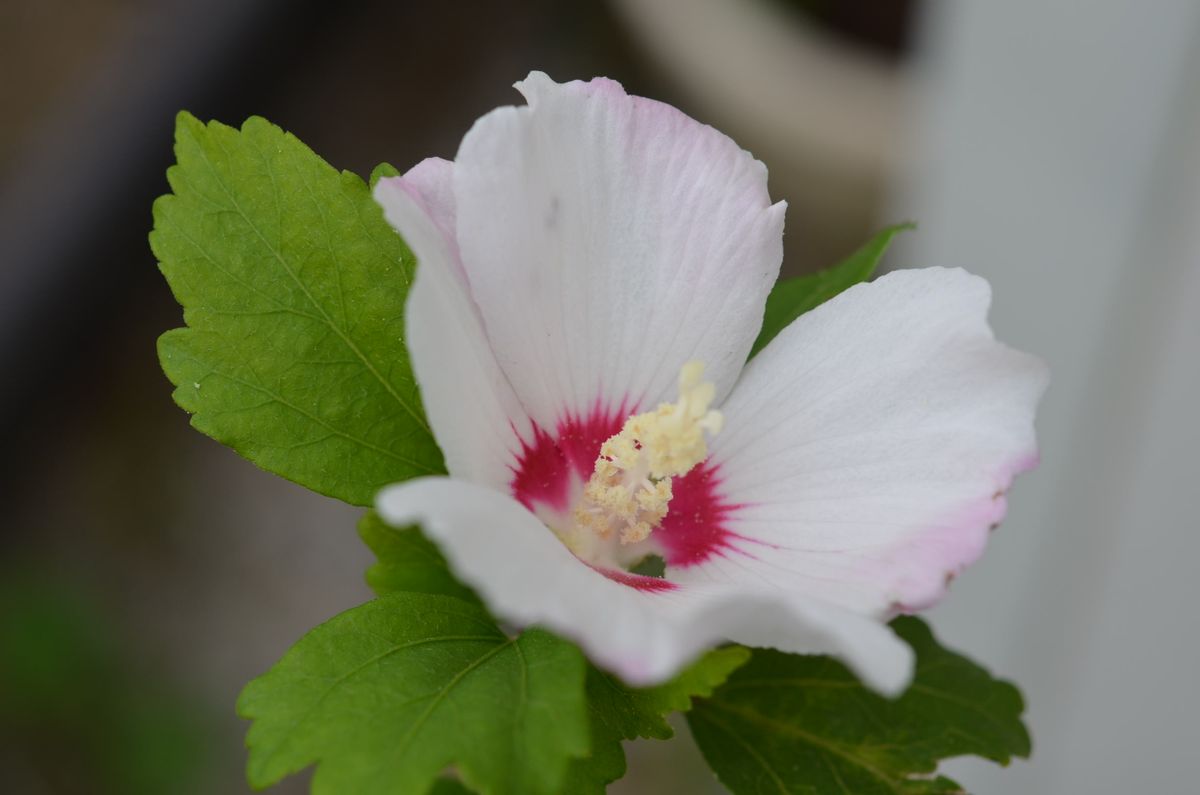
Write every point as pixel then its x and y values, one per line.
pixel 592 272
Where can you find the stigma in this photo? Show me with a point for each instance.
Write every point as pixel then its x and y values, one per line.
pixel 629 492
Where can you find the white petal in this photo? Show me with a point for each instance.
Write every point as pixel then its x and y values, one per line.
pixel 608 239
pixel 869 447
pixel 472 408
pixel 527 576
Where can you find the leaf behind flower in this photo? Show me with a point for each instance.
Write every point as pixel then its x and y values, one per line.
pixel 293 288
pixel 791 298
pixel 786 723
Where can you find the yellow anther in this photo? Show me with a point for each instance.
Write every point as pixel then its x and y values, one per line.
pixel 630 490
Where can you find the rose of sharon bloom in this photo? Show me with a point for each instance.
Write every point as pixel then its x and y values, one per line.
pixel 592 273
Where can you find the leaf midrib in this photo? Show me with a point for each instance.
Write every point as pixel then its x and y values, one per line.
pixel 750 751
pixel 420 419
pixel 286 734
pixel 445 691
pixel 816 741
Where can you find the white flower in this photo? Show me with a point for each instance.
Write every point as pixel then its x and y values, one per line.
pixel 580 262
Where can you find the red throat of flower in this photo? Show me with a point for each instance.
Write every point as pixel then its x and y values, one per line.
pixel 617 486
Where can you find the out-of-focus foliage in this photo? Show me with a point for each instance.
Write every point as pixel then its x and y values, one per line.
pixel 77 714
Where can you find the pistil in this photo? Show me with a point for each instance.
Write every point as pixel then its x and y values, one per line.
pixel 629 492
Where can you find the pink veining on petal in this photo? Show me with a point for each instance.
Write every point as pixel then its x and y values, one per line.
pixel 695 529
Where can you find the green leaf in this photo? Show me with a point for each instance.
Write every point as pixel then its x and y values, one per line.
pixel 798 724
pixel 380 171
pixel 449 786
pixel 791 298
pixel 384 697
pixel 618 712
pixel 407 561
pixel 293 290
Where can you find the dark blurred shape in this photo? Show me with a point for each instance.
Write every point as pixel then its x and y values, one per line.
pixel 101 83
pixel 883 27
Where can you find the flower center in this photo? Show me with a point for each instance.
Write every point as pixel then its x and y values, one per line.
pixel 629 492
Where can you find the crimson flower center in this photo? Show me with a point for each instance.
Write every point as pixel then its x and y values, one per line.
pixel 616 492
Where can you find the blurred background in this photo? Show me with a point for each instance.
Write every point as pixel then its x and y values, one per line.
pixel 146 573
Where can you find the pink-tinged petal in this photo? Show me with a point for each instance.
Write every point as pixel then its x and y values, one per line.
pixel 642 628
pixel 608 239
pixel 868 448
pixel 475 415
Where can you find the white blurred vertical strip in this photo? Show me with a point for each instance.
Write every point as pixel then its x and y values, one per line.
pixel 1058 154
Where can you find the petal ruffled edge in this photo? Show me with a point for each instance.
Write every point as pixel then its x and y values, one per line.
pixel 609 239
pixel 645 635
pixel 867 450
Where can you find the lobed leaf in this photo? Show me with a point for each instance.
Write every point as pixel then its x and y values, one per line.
pixel 407 561
pixel 293 288
pixel 618 712
pixel 787 723
pixel 384 697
